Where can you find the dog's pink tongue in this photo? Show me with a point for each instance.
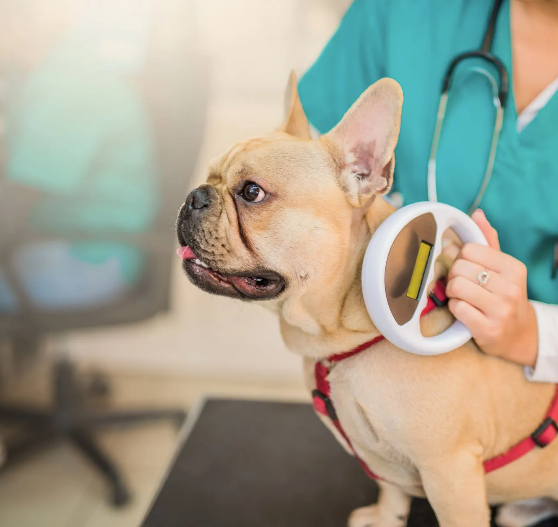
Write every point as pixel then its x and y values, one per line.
pixel 185 253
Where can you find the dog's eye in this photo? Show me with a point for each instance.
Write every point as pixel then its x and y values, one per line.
pixel 252 192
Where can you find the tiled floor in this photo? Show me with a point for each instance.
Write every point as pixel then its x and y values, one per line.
pixel 251 46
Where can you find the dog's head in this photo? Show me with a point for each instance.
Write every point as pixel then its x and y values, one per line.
pixel 278 214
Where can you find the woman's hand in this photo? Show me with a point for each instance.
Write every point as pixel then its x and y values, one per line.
pixel 498 313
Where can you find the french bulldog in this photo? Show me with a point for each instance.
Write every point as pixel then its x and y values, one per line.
pixel 285 219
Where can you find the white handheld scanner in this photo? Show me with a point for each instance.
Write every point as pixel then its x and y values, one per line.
pixel 399 266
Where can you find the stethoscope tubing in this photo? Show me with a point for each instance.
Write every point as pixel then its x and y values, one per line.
pixel 500 95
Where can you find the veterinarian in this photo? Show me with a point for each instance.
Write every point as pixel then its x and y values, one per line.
pixel 495 149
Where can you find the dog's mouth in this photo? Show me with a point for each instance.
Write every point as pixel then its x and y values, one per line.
pixel 256 285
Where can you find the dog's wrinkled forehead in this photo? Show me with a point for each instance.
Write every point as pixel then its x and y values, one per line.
pixel 278 161
pixel 239 152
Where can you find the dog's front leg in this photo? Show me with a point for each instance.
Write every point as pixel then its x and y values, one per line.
pixel 456 489
pixel 391 510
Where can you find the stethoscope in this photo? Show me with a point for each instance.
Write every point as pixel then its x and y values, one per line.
pixel 499 90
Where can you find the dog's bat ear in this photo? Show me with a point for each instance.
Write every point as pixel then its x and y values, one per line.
pixel 296 122
pixel 366 138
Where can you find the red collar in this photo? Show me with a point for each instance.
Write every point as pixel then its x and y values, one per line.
pixel 437 298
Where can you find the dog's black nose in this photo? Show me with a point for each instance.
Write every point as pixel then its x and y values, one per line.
pixel 201 206
pixel 199 199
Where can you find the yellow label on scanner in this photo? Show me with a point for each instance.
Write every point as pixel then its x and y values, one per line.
pixel 419 270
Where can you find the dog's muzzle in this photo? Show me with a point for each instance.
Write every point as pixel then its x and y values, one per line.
pixel 197 208
pixel 200 210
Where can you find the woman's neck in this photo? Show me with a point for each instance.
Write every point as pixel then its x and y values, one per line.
pixel 543 8
pixel 534 35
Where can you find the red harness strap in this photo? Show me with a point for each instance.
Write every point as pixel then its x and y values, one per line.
pixel 541 437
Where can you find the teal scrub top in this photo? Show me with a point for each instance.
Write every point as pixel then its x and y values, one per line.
pixel 413 43
pixel 79 132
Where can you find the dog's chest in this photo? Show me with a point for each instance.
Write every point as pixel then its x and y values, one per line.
pixel 368 419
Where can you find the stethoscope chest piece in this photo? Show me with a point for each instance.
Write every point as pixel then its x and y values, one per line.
pixel 398 267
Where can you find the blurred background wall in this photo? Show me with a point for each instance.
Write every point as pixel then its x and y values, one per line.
pixel 248 48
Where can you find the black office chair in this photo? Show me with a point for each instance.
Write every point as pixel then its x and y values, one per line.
pixel 174 82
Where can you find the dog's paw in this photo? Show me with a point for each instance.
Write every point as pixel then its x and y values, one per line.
pixel 526 513
pixel 372 517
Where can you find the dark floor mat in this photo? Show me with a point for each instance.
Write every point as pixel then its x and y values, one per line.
pixel 263 464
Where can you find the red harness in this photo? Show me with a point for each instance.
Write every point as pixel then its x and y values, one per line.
pixel 541 437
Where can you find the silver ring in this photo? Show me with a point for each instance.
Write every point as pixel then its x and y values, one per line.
pixel 483 277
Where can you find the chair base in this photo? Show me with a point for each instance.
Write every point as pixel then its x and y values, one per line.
pixel 71 421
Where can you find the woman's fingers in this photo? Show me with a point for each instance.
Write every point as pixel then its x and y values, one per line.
pixel 461 288
pixel 465 268
pixel 492 260
pixel 463 284
pixel 484 256
pixel 490 233
pixel 473 319
pixel 471 271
